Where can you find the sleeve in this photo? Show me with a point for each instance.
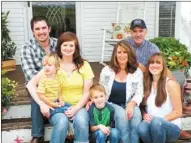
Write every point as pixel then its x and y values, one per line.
pixel 41 87
pixel 104 79
pixel 138 91
pixel 154 48
pixel 90 111
pixel 27 62
pixel 87 71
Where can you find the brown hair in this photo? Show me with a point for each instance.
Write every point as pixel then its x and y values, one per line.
pixel 132 61
pixel 161 85
pixel 97 87
pixel 66 37
pixel 39 18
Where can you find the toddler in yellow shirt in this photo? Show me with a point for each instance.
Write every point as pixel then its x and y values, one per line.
pixel 50 85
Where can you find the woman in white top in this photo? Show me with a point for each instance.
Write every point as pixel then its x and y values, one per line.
pixel 162 99
pixel 123 81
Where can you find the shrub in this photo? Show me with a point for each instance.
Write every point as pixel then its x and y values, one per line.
pixel 7 90
pixel 8 47
pixel 176 54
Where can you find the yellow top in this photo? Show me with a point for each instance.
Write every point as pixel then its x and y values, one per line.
pixel 72 89
pixel 51 87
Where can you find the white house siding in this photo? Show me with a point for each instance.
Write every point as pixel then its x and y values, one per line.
pixel 16 24
pixel 98 15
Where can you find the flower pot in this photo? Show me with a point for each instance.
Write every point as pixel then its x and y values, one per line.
pixel 9 65
pixel 179 76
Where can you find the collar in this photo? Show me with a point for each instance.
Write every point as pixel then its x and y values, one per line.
pixel 142 44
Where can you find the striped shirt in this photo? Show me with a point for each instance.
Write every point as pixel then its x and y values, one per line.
pixel 51 87
pixel 144 51
pixel 31 57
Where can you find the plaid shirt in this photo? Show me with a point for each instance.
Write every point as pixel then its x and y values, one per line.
pixel 32 55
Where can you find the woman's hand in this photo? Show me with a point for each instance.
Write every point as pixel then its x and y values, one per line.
pixel 147 117
pixel 88 104
pixel 71 112
pixel 104 129
pixel 129 112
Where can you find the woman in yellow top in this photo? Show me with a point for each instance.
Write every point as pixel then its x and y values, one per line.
pixel 75 90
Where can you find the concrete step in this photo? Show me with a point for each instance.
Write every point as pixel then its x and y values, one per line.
pixel 11 129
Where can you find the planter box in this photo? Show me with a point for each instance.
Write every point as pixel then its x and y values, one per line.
pixel 9 65
pixel 179 76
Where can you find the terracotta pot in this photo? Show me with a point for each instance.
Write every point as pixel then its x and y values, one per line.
pixel 9 65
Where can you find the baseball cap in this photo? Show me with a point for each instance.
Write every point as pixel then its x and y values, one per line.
pixel 138 22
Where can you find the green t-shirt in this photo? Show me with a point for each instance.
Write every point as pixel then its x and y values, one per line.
pixel 104 116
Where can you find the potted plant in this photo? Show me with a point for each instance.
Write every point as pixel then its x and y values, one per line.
pixel 8 47
pixel 7 92
pixel 176 54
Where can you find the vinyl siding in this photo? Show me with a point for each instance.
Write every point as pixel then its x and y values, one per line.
pixel 16 25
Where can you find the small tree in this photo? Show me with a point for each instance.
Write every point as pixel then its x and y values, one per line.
pixel 8 47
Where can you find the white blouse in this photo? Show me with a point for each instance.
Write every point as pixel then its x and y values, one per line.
pixel 134 84
pixel 166 107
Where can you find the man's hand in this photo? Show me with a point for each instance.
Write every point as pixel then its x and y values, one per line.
pixel 104 129
pixel 45 110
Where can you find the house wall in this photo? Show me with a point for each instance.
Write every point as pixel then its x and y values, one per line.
pixel 91 17
pixel 98 15
pixel 16 24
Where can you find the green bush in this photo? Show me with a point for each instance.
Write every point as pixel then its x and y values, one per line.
pixel 7 90
pixel 8 47
pixel 176 54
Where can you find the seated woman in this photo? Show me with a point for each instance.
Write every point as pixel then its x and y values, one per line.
pixel 78 77
pixel 161 117
pixel 123 81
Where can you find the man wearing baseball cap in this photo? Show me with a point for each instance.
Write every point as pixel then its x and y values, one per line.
pixel 143 48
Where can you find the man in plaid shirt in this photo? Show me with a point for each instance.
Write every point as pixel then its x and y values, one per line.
pixel 32 54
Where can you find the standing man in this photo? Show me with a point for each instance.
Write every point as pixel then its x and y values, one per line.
pixel 31 63
pixel 143 48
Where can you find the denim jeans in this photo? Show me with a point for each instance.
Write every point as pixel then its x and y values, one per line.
pixel 100 137
pixel 127 128
pixel 60 123
pixel 59 109
pixel 158 131
pixel 37 120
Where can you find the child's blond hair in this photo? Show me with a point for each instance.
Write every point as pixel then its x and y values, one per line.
pixel 97 87
pixel 52 59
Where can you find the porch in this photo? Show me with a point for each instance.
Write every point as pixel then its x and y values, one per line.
pixel 17 122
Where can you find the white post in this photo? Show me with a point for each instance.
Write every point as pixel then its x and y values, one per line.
pixel 118 10
pixel 144 11
pixel 103 47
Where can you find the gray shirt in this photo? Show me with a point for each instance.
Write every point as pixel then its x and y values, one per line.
pixel 144 51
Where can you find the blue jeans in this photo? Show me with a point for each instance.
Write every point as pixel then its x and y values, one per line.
pixel 37 120
pixel 127 128
pixel 158 131
pixel 60 123
pixel 100 137
pixel 59 109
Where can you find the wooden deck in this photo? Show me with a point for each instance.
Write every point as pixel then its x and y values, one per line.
pixel 18 75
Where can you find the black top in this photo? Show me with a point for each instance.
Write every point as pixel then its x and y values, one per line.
pixel 118 93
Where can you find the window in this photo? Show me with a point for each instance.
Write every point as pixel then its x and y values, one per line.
pixel 167 12
pixel 61 15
